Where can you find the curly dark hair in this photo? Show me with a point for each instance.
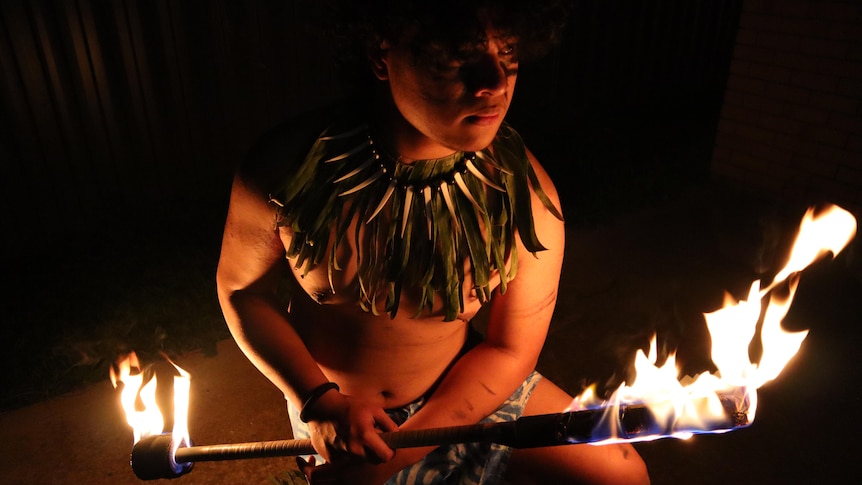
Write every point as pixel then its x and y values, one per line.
pixel 439 30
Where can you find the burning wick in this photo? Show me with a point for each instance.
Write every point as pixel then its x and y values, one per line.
pixel 656 405
pixel 681 408
pixel 138 398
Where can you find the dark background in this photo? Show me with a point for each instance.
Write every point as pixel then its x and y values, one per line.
pixel 122 111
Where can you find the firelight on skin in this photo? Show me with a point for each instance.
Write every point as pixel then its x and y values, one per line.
pixel 459 106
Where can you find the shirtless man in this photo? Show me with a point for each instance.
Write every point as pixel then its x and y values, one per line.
pixel 393 220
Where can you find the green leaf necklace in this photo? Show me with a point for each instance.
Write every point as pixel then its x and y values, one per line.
pixel 442 217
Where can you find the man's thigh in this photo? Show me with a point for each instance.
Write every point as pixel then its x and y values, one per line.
pixel 618 463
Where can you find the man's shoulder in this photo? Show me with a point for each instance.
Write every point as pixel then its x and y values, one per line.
pixel 283 148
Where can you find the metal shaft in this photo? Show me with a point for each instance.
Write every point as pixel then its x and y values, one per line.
pixel 396 439
pixel 532 431
pixel 159 457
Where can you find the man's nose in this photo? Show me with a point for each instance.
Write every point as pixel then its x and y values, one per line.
pixel 488 76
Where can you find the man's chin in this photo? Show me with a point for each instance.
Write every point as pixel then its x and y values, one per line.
pixel 481 138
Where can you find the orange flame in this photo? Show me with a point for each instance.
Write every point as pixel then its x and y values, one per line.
pixel 705 403
pixel 138 399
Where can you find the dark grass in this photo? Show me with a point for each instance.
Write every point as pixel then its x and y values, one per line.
pixel 147 286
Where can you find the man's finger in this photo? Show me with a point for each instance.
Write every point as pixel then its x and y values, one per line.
pixel 305 466
pixel 384 422
pixel 375 449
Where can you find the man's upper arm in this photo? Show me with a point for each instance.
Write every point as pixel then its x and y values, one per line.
pixel 251 249
pixel 519 318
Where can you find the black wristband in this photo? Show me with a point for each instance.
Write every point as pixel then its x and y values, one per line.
pixel 313 397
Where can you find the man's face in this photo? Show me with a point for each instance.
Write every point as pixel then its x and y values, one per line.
pixel 456 104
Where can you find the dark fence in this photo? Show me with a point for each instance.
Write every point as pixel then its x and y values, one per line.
pixel 119 110
pixel 626 111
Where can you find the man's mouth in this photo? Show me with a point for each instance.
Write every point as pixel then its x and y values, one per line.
pixel 485 117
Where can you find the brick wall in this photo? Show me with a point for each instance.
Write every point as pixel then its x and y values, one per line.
pixel 791 123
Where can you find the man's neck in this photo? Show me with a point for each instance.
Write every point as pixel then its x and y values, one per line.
pixel 396 137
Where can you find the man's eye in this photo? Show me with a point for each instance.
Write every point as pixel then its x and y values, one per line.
pixel 447 65
pixel 444 69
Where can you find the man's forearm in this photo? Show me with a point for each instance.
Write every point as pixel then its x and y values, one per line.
pixel 269 341
pixel 475 387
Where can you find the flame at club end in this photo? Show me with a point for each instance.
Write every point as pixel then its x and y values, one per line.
pixel 725 400
pixel 141 389
pixel 154 457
